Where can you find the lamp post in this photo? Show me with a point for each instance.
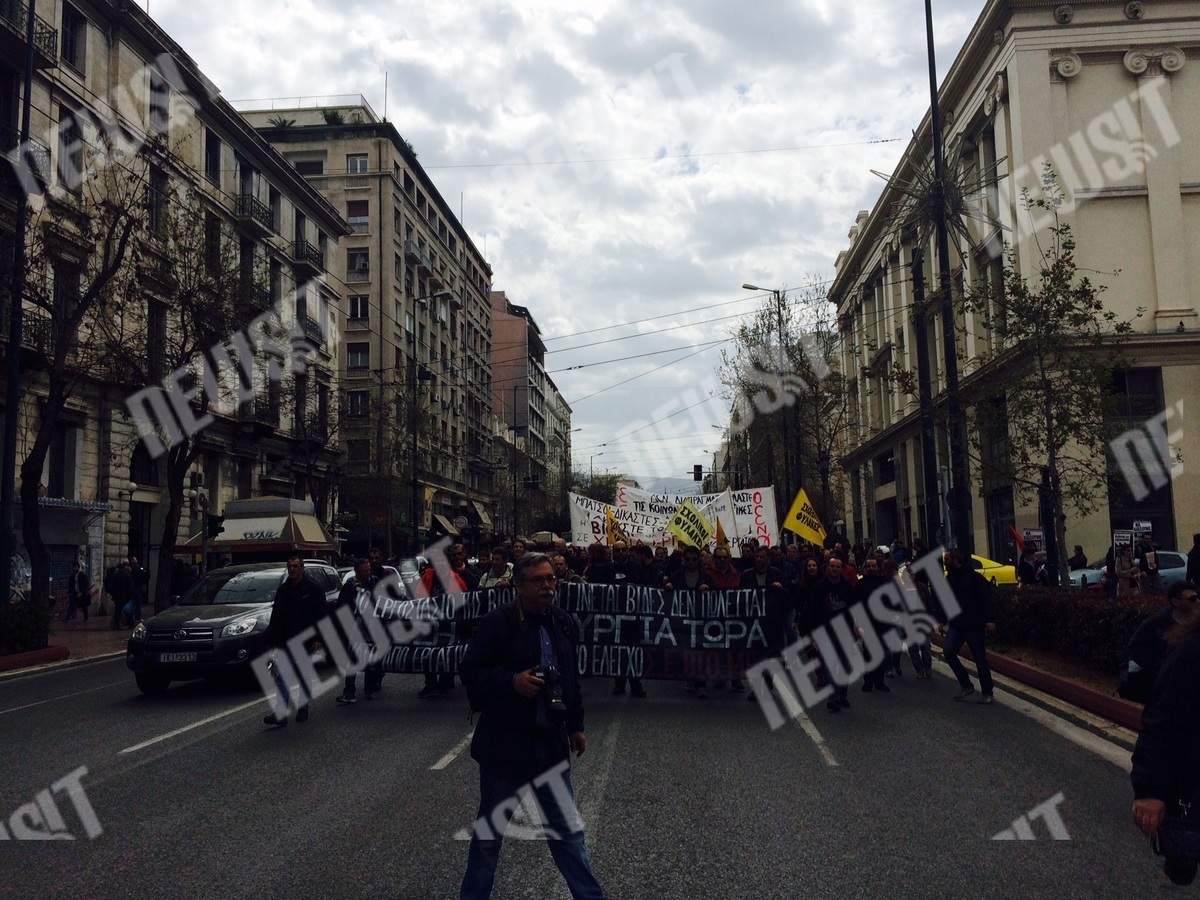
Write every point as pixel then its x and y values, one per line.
pixel 592 466
pixel 778 296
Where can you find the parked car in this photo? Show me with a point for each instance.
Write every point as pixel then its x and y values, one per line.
pixel 996 573
pixel 1172 567
pixel 347 575
pixel 217 627
pixel 1091 577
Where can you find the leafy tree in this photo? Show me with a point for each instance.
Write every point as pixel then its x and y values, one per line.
pixel 602 487
pixel 1054 350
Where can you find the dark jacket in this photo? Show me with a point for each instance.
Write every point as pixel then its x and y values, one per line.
pixel 828 599
pixel 78 585
pixel 296 607
pixel 1147 648
pixel 866 586
pixel 1166 760
pixel 1193 565
pixel 974 596
pixel 606 573
pixel 779 604
pixel 507 735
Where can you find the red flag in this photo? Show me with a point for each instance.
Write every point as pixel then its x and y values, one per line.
pixel 1017 538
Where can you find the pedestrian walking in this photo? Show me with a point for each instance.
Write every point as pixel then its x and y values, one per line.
pixel 79 595
pixel 299 604
pixel 974 596
pixel 357 595
pixel 1166 759
pixel 519 671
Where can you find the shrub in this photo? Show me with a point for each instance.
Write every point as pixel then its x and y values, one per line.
pixel 23 628
pixel 1083 625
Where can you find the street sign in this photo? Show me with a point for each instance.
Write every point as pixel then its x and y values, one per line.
pixel 460 522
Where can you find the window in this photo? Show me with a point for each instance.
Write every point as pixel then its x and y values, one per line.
pixel 358 355
pixel 160 103
pixel 156 341
pixel 276 276
pixel 310 167
pixel 356 164
pixel 70 151
pixel 358 451
pixel 358 215
pixel 157 201
pixel 61 462
pixel 275 200
pixel 212 244
pixel 74 38
pixel 358 306
pixel 358 264
pixel 212 157
pixel 359 403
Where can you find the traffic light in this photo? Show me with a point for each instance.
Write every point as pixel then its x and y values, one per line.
pixel 215 525
pixel 698 473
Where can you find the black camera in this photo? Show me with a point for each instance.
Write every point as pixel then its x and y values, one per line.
pixel 552 694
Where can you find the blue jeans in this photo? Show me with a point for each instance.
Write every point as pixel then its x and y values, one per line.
pixel 973 638
pixel 283 695
pixel 498 799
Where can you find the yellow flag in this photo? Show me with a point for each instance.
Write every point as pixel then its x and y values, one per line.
pixel 722 540
pixel 802 519
pixel 689 525
pixel 612 530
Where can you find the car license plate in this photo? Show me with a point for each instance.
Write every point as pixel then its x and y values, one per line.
pixel 176 657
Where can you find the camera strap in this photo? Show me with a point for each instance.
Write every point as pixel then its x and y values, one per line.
pixel 549 657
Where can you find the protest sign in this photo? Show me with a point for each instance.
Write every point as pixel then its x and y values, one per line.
pixel 802 519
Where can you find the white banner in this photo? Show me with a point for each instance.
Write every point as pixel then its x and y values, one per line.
pixel 644 516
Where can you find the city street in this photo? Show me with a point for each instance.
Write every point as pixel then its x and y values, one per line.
pixel 897 797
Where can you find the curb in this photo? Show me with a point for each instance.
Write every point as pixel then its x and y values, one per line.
pixel 32 658
pixel 1114 709
pixel 59 663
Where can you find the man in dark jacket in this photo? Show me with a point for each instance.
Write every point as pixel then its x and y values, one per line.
pixel 830 597
pixel 356 595
pixel 974 596
pixel 1148 646
pixel 524 738
pixel 299 604
pixel 119 585
pixel 78 593
pixel 1166 759
pixel 870 580
pixel 1193 561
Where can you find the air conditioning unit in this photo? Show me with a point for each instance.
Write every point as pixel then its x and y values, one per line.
pixel 521 443
pixel 361 264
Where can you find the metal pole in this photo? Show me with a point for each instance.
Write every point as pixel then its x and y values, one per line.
pixel 12 394
pixel 203 500
pixel 783 413
pixel 960 495
pixel 929 478
pixel 412 429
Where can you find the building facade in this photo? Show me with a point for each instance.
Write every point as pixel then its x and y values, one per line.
pixel 1105 93
pixel 223 230
pixel 417 344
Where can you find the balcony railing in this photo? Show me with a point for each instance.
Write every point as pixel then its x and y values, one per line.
pixel 259 411
pixel 311 330
pixel 13 23
pixel 253 212
pixel 37 329
pixel 306 254
pixel 412 251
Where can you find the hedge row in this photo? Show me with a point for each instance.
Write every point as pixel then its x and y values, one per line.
pixel 1082 625
pixel 22 628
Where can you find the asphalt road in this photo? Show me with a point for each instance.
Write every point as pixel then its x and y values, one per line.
pixel 898 797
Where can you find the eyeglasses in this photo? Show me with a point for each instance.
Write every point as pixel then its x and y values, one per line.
pixel 541 579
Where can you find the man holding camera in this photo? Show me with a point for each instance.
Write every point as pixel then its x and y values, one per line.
pixel 519 671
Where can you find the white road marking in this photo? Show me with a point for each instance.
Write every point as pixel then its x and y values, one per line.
pixel 450 757
pixel 178 731
pixel 63 697
pixel 800 717
pixel 1114 753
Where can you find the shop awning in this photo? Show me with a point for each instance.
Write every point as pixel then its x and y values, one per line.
pixel 446 525
pixel 484 519
pixel 268 524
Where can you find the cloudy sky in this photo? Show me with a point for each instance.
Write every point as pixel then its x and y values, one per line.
pixel 625 165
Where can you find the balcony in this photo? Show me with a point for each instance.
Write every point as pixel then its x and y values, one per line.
pixel 412 252
pixel 13 24
pixel 31 160
pixel 257 296
pixel 307 258
pixel 425 267
pixel 254 216
pixel 311 329
pixel 258 417
pixel 37 329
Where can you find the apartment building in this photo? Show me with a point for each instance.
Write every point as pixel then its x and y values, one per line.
pixel 1104 92
pixel 416 372
pixel 118 106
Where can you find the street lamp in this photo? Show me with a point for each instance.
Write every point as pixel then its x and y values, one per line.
pixel 778 296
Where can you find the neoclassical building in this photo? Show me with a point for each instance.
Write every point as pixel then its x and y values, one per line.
pixel 1106 92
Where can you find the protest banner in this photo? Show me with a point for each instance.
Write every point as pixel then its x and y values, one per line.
pixel 644 516
pixel 802 519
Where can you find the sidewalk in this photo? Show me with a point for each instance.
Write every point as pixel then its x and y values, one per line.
pixel 71 643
